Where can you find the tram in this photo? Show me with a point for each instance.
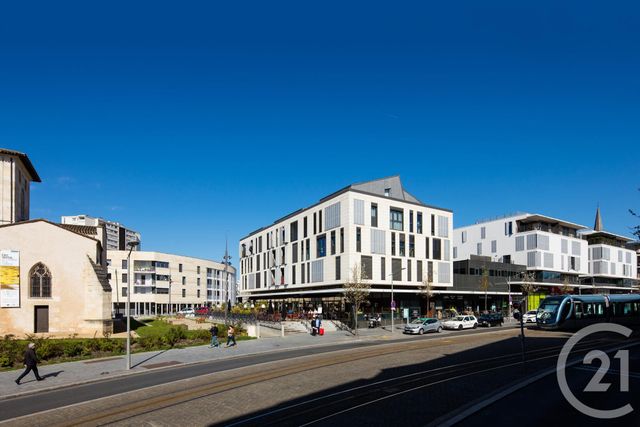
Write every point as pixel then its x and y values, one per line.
pixel 573 312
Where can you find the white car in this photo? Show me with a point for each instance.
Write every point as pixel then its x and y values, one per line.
pixel 530 316
pixel 461 322
pixel 188 312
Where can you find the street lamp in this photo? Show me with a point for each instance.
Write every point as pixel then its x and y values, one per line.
pixel 131 246
pixel 392 301
pixel 170 310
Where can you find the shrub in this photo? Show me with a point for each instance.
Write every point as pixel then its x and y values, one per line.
pixel 175 334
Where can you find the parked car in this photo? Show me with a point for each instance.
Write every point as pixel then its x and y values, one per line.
pixel 530 316
pixel 187 312
pixel 421 325
pixel 461 322
pixel 202 310
pixel 490 319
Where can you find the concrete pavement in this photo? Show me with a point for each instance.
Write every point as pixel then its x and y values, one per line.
pixel 80 372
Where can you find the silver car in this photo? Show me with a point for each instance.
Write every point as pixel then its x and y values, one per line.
pixel 422 325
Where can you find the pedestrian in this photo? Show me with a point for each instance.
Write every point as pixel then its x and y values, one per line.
pixel 214 336
pixel 30 363
pixel 231 336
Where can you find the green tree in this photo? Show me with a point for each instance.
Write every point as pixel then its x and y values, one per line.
pixel 425 291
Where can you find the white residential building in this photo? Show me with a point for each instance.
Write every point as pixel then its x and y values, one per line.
pixel 163 283
pixel 557 252
pixel 397 239
pixel 118 236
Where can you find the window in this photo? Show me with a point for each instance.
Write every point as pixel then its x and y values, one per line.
pixel 374 215
pixel 358 239
pixel 410 221
pixel 387 192
pixel 519 243
pixel 409 270
pixel 483 232
pixel 479 248
pixel 184 293
pixel 412 246
pixel 315 223
pixel 333 242
pixel 341 240
pixel 198 282
pixel 464 237
pixel 179 268
pixel 293 231
pixel 383 269
pixel 332 216
pixel 198 269
pixel 396 219
pixel 338 268
pixel 260 244
pixel 366 263
pixel 494 246
pixel 437 249
pixel 430 271
pixel 396 269
pixel 304 227
pixel 124 264
pixel 184 280
pixel 455 252
pixel 433 225
pixel 419 271
pixel 426 247
pixel 307 249
pixel 378 241
pixel 198 293
pixel 124 278
pixel 321 246
pixel 402 253
pixel 293 274
pixel 320 222
pixel 124 292
pixel 508 228
pixel 358 212
pixel 40 278
pixel 443 226
pixel 393 243
pixel 294 252
pixel 302 272
pixel 419 222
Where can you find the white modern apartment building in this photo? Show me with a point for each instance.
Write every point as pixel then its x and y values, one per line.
pixel 118 236
pixel 16 174
pixel 397 239
pixel 557 252
pixel 165 283
pixel 611 261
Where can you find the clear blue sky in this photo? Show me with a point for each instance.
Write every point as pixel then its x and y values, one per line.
pixel 189 121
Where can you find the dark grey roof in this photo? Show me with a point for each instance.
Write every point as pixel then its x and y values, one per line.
pixel 378 187
pixel 27 163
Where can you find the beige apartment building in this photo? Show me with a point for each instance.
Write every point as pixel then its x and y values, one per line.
pixel 53 277
pixel 164 283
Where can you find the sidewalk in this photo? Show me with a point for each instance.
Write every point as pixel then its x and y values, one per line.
pixel 72 373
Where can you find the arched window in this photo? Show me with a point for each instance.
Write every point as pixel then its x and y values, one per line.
pixel 40 278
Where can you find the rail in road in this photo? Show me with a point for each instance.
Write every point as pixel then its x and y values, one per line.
pixel 314 409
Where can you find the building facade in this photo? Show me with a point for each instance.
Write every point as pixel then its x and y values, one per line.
pixel 165 283
pixel 396 239
pixel 118 236
pixel 559 254
pixel 16 174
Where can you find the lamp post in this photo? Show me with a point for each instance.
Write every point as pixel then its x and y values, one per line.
pixel 393 312
pixel 226 259
pixel 131 246
pixel 170 311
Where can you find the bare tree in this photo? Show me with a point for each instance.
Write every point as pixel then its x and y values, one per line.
pixel 528 284
pixel 484 285
pixel 566 288
pixel 635 229
pixel 356 291
pixel 425 290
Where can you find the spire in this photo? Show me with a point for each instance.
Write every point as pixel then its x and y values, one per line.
pixel 598 224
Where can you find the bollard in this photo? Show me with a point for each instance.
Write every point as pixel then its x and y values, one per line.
pixel 258 330
pixel 282 328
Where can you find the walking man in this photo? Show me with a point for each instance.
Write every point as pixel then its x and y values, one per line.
pixel 231 336
pixel 30 363
pixel 214 336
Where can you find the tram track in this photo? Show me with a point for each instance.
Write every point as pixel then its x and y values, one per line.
pixel 356 396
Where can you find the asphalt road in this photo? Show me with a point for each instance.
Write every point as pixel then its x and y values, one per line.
pixel 412 381
pixel 27 405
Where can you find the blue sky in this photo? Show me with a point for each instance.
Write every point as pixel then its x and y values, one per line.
pixel 193 121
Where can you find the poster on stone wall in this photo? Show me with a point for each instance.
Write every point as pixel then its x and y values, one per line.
pixel 9 279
